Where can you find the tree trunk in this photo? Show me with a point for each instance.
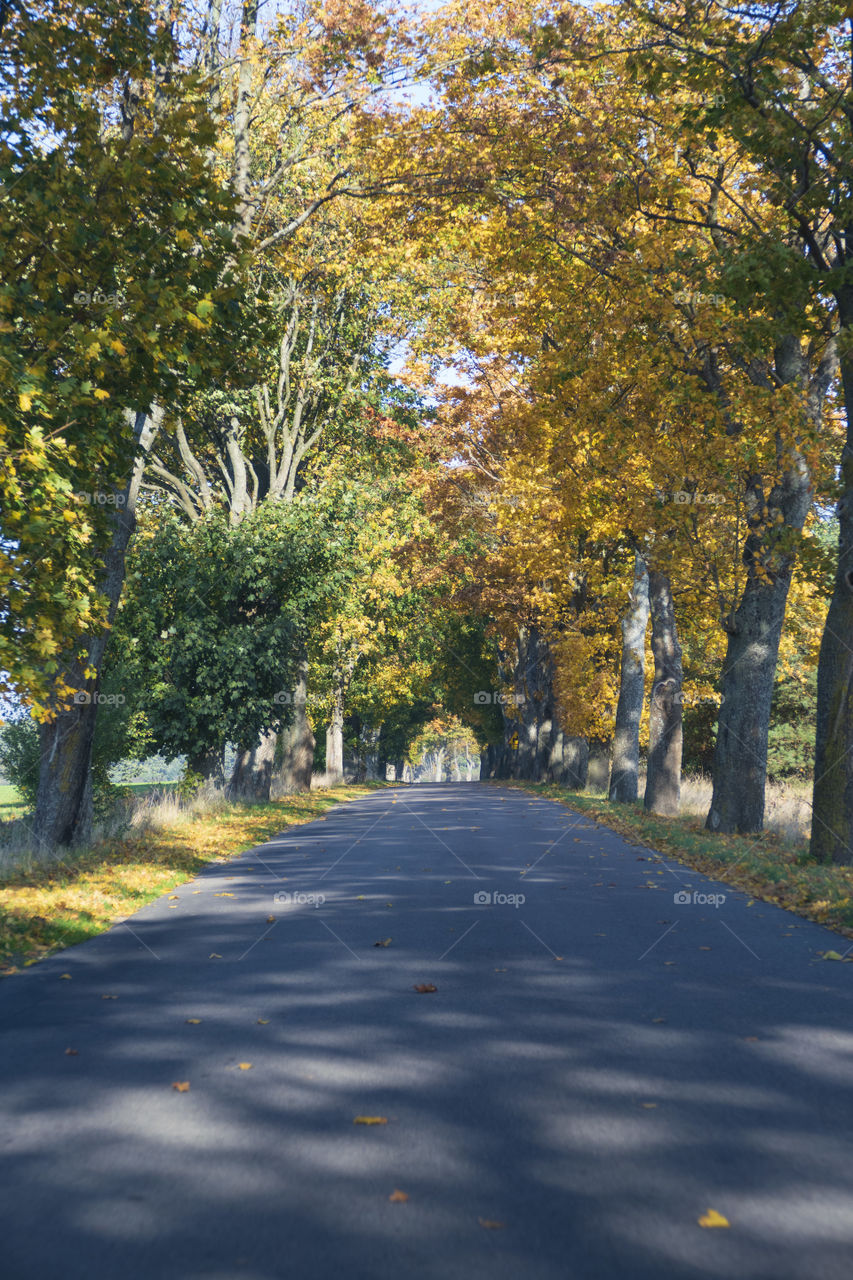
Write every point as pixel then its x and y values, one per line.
pixel 625 765
pixel 399 770
pixel 63 815
pixel 210 767
pixel 251 778
pixel 598 767
pixel 754 629
pixel 297 744
pixel 335 741
pixel 663 777
pixel 832 814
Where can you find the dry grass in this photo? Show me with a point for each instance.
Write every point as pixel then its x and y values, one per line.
pixel 787 813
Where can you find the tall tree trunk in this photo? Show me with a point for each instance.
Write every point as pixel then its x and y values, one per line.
pixel 335 741
pixel 832 810
pixel 624 767
pixel 663 776
pixel 755 627
pixel 297 743
pixel 752 650
pixel 63 815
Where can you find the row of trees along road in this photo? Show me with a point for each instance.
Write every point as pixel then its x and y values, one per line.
pixel 623 228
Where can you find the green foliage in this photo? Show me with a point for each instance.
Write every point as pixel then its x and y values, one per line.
pixel 213 624
pixel 115 293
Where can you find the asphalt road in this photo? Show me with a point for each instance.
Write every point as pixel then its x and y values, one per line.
pixel 599 1067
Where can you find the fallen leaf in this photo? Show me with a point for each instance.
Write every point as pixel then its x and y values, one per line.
pixel 658 1019
pixel 648 1105
pixel 262 1022
pixel 704 948
pixel 194 1021
pixel 109 997
pixel 370 1120
pixel 831 955
pixel 270 919
pixel 386 943
pixel 713 1219
pixel 224 895
pixel 244 1066
pixel 751 1038
pixel 65 975
pixel 490 1225
pixel 214 955
pixel 398 1197
pixel 72 1053
pixel 182 1086
pixel 424 987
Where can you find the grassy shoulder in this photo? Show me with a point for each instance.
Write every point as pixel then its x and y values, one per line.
pixel 761 866
pixel 46 908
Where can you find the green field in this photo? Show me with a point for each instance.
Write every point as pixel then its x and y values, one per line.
pixel 10 802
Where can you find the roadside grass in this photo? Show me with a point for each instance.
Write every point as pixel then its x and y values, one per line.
pixel 768 867
pixel 54 903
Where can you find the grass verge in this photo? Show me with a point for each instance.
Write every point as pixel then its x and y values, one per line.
pixel 49 907
pixel 762 866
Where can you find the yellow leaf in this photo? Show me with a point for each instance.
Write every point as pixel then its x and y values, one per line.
pixel 182 1086
pixel 831 955
pixel 100 394
pixel 398 1197
pixel 262 1022
pixel 713 1219
pixel 194 1021
pixel 370 1120
pixel 244 1066
pixel 25 401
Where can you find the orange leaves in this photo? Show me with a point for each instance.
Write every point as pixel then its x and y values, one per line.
pixel 425 988
pixel 181 1086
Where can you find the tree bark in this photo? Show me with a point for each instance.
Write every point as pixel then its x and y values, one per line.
pixel 624 767
pixel 251 778
pixel 297 743
pixel 63 814
pixel 598 763
pixel 832 800
pixel 210 766
pixel 663 777
pixel 335 741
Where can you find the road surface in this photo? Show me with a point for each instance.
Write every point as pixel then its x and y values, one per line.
pixel 602 1064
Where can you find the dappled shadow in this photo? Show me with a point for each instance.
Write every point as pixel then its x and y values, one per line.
pixel 594 1072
